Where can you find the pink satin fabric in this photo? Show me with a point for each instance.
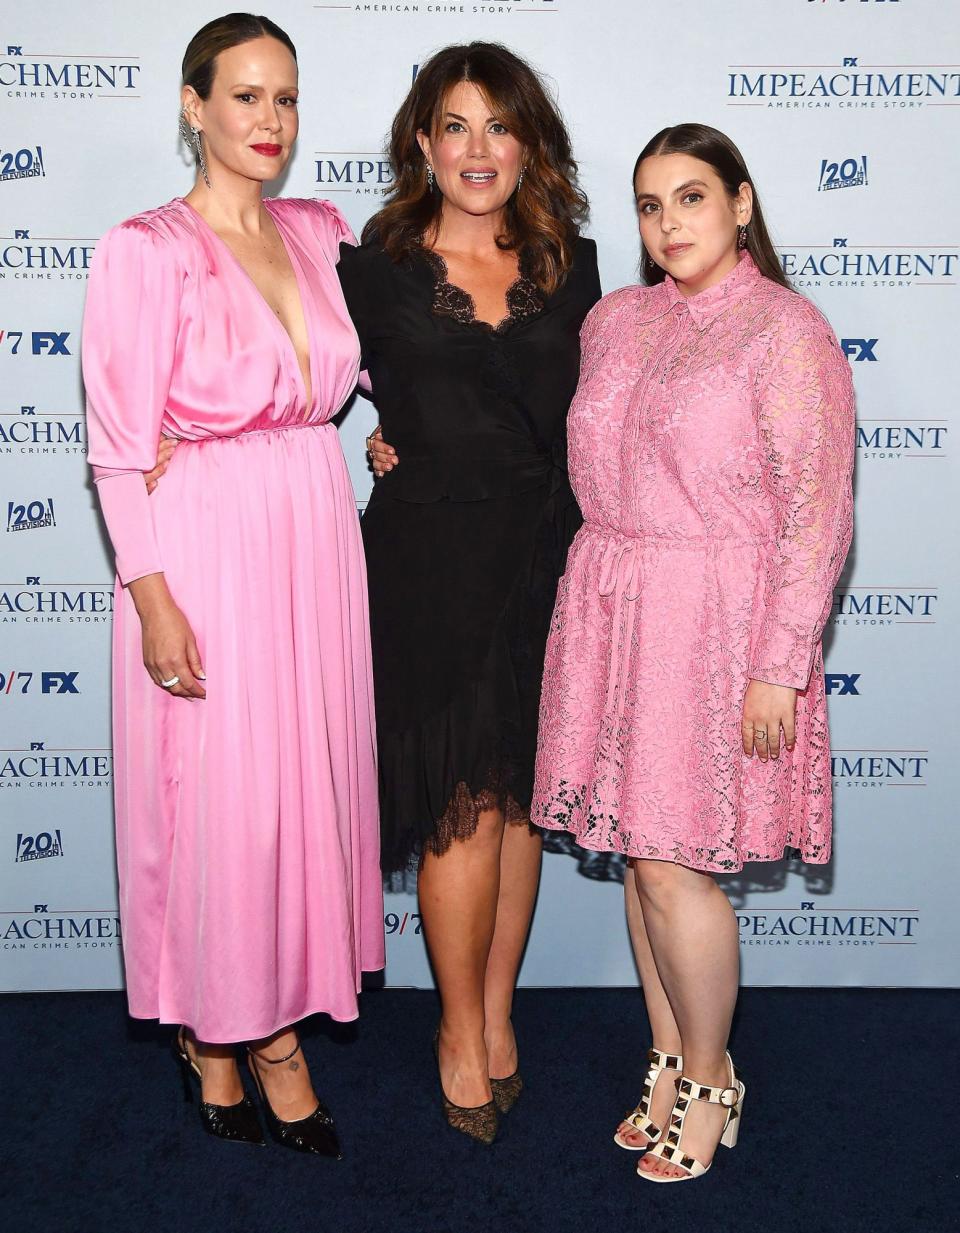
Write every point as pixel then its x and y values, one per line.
pixel 247 838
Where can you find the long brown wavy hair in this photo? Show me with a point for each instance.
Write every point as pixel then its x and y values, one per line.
pixel 541 219
pixel 713 147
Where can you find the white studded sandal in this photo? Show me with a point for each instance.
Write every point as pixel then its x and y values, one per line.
pixel 731 1098
pixel 639 1118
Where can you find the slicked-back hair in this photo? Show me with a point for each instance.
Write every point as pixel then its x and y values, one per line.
pixel 200 59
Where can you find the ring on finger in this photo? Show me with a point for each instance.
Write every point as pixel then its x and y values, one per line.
pixel 174 680
pixel 759 734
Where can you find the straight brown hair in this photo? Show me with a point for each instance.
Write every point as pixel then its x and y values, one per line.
pixel 715 148
pixel 541 219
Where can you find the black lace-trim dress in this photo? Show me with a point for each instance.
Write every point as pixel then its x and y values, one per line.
pixel 467 537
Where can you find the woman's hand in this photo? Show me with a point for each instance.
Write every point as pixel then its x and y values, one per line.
pixel 383 457
pixel 164 454
pixel 169 647
pixel 766 709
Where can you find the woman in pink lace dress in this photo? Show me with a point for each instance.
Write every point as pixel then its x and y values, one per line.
pixel 683 720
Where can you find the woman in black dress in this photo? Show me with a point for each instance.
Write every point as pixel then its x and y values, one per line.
pixel 468 293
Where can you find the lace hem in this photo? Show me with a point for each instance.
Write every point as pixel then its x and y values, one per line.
pixel 602 831
pixel 462 814
pixel 523 297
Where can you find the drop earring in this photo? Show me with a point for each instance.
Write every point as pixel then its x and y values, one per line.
pixel 193 137
pixel 742 235
pixel 198 142
pixel 429 177
pixel 520 180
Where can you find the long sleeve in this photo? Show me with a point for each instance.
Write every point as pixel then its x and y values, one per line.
pixel 806 418
pixel 129 342
pixel 352 271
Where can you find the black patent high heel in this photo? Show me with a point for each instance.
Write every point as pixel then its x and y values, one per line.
pixel 478 1122
pixel 314 1133
pixel 236 1123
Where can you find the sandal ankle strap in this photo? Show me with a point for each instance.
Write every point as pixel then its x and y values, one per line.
pixel 725 1096
pixel 664 1061
pixel 274 1061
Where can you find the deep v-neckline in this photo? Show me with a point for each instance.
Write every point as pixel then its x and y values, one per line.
pixel 522 297
pixel 309 392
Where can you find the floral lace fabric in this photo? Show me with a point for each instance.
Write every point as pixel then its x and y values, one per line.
pixel 523 298
pixel 711 450
pixel 462 814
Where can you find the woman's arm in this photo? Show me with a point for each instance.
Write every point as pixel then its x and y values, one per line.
pixel 806 422
pixel 129 347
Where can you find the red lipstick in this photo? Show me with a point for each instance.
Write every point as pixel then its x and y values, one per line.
pixel 267 149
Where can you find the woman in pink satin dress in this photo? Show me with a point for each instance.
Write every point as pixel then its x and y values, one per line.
pixel 683 718
pixel 246 792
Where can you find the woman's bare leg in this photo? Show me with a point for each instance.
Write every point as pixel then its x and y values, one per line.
pixel 520 859
pixel 287 1084
pixel 692 931
pixel 663 1027
pixel 459 892
pixel 220 1082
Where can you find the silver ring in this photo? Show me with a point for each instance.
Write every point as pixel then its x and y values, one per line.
pixel 174 680
pixel 760 734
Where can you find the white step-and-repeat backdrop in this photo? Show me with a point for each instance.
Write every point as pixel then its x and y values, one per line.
pixel 847 112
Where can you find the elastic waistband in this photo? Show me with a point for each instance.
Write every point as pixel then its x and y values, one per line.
pixel 253 432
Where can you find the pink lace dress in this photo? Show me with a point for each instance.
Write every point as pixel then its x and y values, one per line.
pixel 711 452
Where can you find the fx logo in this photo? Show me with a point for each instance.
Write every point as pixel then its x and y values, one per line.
pixel 841 684
pixel 841 243
pixel 36 746
pixel 58 682
pixel 50 342
pixel 21 235
pixel 850 61
pixel 14 51
pixel 859 349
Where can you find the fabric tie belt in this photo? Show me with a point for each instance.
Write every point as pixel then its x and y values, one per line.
pixel 619 578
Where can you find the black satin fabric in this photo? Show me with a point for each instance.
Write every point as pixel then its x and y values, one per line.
pixel 467 537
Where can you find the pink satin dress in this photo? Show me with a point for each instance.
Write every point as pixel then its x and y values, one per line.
pixel 247 847
pixel 711 451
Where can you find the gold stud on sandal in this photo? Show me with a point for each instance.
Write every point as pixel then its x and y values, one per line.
pixel 639 1118
pixel 688 1090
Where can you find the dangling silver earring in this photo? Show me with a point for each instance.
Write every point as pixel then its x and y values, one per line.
pixel 193 137
pixel 198 142
pixel 742 235
pixel 429 177
pixel 520 180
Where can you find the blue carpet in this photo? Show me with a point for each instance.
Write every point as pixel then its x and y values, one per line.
pixel 844 1130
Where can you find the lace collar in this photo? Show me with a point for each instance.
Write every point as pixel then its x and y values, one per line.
pixel 707 305
pixel 524 299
